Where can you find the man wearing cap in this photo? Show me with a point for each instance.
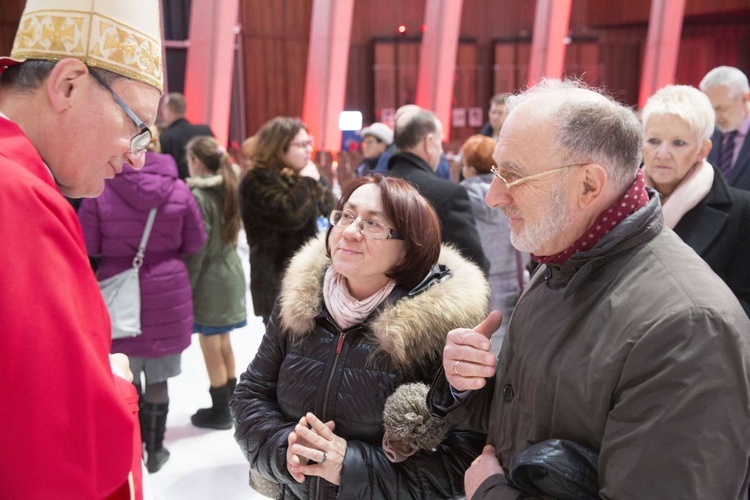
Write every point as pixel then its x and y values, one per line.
pixel 76 96
pixel 375 140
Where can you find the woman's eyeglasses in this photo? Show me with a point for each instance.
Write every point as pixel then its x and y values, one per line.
pixel 369 228
pixel 304 144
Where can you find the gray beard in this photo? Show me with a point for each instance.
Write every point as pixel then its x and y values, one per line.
pixel 535 235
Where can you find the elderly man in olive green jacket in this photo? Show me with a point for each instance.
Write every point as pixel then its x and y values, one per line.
pixel 624 342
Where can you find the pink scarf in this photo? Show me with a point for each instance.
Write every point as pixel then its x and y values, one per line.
pixel 345 309
pixel 689 192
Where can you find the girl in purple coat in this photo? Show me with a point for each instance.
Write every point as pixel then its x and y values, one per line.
pixel 113 225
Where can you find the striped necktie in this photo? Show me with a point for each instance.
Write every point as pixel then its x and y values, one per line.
pixel 727 152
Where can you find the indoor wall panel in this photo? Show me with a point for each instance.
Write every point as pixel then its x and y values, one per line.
pixel 275 42
pixel 10 14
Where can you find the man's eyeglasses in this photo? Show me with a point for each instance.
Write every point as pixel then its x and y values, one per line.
pixel 142 139
pixel 510 179
pixel 369 228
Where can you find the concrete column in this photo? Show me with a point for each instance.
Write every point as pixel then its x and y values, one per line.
pixel 437 59
pixel 551 24
pixel 327 66
pixel 662 46
pixel 210 63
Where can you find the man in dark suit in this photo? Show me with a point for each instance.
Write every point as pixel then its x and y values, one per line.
pixel 729 92
pixel 419 139
pixel 179 131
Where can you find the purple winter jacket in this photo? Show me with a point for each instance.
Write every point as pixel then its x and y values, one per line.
pixel 113 225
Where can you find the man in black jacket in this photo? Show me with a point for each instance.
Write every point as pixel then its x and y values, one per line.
pixel 179 131
pixel 419 139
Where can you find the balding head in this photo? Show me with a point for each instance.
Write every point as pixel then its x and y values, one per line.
pixel 421 134
pixel 404 114
pixel 585 126
pixel 564 155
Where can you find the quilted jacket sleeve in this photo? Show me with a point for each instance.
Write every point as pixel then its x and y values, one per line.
pixel 367 472
pixel 260 428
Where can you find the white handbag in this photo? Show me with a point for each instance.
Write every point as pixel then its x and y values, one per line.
pixel 122 292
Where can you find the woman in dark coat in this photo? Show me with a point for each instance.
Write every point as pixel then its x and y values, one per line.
pixel 281 201
pixel 359 315
pixel 710 216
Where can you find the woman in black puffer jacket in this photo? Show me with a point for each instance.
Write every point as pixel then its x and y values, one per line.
pixel 359 315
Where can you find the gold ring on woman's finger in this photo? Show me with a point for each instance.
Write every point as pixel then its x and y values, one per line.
pixel 455 368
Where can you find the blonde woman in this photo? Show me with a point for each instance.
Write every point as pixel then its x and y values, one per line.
pixel 712 217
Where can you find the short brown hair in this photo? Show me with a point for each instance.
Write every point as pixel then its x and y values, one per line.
pixel 477 152
pixel 176 103
pixel 413 217
pixel 31 74
pixel 499 98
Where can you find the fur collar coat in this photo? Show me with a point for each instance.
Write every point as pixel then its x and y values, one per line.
pixel 280 213
pixel 305 363
pixel 409 326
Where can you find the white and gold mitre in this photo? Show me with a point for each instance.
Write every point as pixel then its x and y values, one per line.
pixel 121 36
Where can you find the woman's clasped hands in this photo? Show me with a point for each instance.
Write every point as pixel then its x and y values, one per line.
pixel 314 441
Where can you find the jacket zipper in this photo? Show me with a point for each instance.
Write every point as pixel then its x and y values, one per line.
pixel 339 348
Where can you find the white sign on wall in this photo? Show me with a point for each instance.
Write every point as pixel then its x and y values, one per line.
pixel 476 117
pixel 459 117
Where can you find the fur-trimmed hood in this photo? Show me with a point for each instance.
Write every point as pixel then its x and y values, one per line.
pixel 205 182
pixel 408 329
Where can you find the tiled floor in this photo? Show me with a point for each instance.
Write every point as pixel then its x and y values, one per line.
pixel 204 464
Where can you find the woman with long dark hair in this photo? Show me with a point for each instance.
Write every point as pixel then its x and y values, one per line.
pixel 282 199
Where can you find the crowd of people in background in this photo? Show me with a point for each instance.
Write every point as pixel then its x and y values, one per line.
pixel 614 247
pixel 285 205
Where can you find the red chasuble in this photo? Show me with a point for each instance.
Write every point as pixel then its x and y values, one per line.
pixel 65 428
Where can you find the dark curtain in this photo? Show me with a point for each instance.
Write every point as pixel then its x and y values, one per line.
pixel 176 14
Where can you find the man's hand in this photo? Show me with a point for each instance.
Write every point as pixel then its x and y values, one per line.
pixel 310 170
pixel 120 366
pixel 484 466
pixel 467 359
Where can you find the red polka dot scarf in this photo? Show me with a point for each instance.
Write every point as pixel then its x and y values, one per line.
pixel 633 199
